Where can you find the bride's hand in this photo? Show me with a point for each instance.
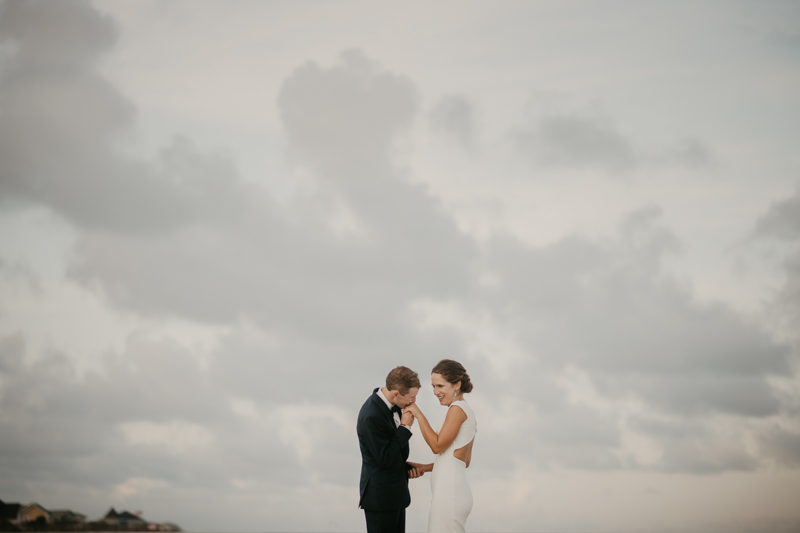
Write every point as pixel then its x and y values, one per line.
pixel 413 409
pixel 407 419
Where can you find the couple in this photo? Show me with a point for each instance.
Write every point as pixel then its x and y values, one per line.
pixel 384 429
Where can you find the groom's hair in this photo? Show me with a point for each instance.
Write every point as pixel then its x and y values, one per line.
pixel 402 379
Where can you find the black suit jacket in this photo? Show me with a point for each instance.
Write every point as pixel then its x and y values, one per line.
pixel 384 451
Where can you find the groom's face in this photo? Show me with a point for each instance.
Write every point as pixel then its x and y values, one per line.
pixel 411 397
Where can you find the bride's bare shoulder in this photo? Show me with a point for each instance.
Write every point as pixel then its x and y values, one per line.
pixel 460 412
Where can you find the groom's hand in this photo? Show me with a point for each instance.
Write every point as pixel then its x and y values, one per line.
pixel 407 419
pixel 414 473
pixel 416 470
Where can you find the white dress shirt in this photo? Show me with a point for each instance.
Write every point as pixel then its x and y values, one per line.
pixel 389 404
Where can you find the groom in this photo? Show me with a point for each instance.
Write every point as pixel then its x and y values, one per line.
pixel 383 433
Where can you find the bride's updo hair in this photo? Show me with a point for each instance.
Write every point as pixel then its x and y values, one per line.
pixel 453 372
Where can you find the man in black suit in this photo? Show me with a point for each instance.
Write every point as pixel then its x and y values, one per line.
pixel 383 434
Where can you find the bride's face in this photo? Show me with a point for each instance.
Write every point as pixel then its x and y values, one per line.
pixel 443 390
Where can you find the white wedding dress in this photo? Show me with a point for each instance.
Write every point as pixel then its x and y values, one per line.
pixel 451 499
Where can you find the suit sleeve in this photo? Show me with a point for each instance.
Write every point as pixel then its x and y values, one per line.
pixel 382 443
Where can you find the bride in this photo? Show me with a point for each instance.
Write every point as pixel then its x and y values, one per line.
pixel 451 500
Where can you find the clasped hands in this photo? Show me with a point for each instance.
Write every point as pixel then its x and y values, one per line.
pixel 407 419
pixel 409 414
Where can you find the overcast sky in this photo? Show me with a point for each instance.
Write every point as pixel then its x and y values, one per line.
pixel 223 223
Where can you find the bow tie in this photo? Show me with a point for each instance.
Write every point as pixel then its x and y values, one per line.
pixel 396 409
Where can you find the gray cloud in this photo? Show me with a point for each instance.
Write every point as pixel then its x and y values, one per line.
pixel 59 53
pixel 577 141
pixel 690 153
pixel 12 349
pixel 789 297
pixel 21 273
pixel 783 446
pixel 782 220
pixel 585 428
pixel 352 111
pixel 308 277
pixel 641 335
pixel 684 393
pixel 640 328
pixel 563 138
pixel 64 125
pixel 52 414
pixel 694 445
pixel 711 455
pixel 454 115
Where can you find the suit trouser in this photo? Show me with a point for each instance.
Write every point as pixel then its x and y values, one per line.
pixel 386 521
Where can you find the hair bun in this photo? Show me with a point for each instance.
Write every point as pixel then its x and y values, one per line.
pixel 466 384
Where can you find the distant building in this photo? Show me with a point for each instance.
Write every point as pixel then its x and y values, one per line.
pixel 9 512
pixel 33 512
pixel 65 516
pixel 123 519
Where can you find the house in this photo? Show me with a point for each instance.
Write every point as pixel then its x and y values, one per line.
pixel 9 512
pixel 65 516
pixel 33 512
pixel 123 519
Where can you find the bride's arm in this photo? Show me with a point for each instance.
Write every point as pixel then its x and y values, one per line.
pixel 439 442
pixel 427 467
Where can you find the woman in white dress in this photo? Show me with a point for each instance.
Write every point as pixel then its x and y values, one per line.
pixel 451 500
